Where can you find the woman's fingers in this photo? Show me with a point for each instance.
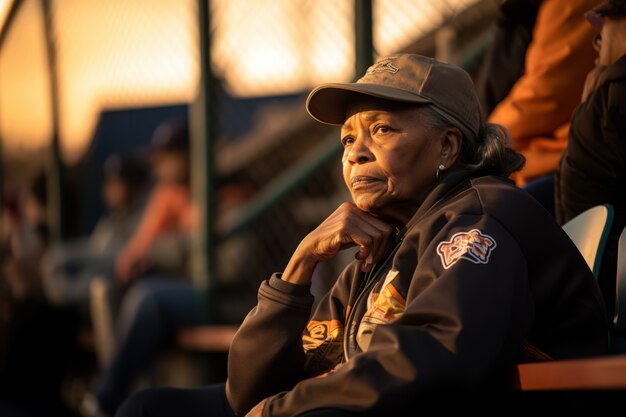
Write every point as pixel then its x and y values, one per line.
pixel 347 227
pixel 372 239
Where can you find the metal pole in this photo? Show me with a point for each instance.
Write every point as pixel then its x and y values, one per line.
pixel 201 122
pixel 9 19
pixel 2 197
pixel 55 168
pixel 363 38
pixel 3 32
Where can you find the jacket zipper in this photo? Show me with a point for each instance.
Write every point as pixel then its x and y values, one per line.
pixel 370 281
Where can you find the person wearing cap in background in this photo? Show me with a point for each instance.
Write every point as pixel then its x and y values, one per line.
pixel 457 275
pixel 70 267
pixel 593 167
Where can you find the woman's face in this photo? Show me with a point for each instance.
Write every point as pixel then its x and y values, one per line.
pixel 390 158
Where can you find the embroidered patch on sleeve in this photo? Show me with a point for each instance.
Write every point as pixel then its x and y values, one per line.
pixel 473 246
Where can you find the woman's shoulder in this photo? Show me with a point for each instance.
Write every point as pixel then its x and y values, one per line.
pixel 499 199
pixel 486 195
pixel 514 209
pixel 496 192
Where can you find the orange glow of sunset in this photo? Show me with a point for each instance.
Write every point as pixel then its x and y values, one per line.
pixel 118 54
pixel 113 54
pixel 281 46
pixel 5 5
pixel 25 115
pixel 136 53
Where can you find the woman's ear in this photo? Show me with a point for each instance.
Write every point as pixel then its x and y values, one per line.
pixel 451 142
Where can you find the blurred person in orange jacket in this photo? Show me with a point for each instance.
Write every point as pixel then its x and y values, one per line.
pixel 169 213
pixel 538 108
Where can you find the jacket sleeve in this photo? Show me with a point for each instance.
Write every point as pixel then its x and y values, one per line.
pixel 557 62
pixel 267 354
pixel 467 323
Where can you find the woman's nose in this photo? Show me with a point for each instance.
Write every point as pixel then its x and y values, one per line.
pixel 360 152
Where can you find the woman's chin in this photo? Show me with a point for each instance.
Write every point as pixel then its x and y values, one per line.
pixel 366 204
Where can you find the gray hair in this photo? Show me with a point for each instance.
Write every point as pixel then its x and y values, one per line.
pixel 489 153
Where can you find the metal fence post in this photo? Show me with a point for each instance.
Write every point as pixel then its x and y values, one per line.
pixel 55 169
pixel 363 38
pixel 201 123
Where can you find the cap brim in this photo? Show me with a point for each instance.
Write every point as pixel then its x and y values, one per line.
pixel 328 103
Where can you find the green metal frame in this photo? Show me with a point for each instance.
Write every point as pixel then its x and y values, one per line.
pixel 363 36
pixel 201 122
pixel 55 169
pixel 281 186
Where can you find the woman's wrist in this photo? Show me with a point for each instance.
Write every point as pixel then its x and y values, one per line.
pixel 299 270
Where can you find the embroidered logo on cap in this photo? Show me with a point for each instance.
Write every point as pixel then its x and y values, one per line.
pixel 473 246
pixel 383 65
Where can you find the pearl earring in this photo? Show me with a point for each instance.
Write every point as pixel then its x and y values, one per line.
pixel 441 167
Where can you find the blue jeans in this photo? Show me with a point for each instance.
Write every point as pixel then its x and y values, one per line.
pixel 152 310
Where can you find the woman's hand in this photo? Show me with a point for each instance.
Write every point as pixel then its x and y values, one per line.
pixel 129 266
pixel 347 227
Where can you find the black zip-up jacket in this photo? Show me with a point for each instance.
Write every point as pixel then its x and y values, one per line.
pixel 482 278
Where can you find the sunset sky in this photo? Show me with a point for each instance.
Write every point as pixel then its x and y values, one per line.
pixel 120 54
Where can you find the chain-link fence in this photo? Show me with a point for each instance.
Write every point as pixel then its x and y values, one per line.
pixel 266 55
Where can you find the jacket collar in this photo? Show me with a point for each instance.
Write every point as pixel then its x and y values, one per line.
pixel 449 185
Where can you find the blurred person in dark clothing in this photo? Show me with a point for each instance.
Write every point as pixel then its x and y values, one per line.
pixel 504 61
pixel 593 168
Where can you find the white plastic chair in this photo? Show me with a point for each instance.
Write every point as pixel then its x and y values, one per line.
pixel 620 286
pixel 589 232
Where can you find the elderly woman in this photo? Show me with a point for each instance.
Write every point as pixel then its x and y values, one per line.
pixel 458 272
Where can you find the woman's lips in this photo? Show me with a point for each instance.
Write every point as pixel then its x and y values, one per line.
pixel 361 181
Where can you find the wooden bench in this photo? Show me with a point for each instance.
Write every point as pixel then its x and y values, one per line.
pixel 601 373
pixel 208 338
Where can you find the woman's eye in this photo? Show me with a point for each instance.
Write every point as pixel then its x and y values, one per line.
pixel 382 129
pixel 348 140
